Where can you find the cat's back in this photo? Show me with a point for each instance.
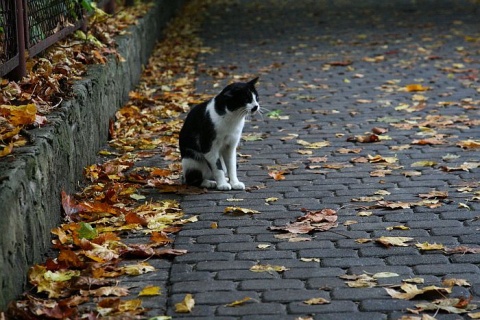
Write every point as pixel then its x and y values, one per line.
pixel 197 130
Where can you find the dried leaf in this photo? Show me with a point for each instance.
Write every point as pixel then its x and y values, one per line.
pixel 316 301
pixel 186 305
pixel 364 139
pixel 238 303
pixel 267 268
pixel 456 282
pixel 425 163
pixel 239 211
pixel 410 291
pixel 394 241
pixel 469 144
pixel 416 87
pixel 150 291
pixel 429 246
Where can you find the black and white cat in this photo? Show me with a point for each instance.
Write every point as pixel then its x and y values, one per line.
pixel 210 135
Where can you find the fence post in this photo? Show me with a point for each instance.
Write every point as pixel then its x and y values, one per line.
pixel 109 7
pixel 20 71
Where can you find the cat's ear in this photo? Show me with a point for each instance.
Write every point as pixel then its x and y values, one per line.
pixel 253 82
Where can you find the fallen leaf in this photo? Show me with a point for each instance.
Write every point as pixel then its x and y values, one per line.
pixel 434 194
pixel 425 163
pixel 429 246
pixel 277 175
pixel 186 305
pixel 380 275
pixel 239 211
pixel 398 227
pixel 447 304
pixel 394 241
pixel 150 291
pixel 267 268
pixel 364 139
pixel 313 145
pixel 416 87
pixel 462 250
pixel 469 144
pixel 456 282
pixel 238 303
pixel 316 301
pixel 410 291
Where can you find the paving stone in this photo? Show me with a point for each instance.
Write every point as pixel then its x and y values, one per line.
pixel 332 307
pixel 264 285
pixel 253 309
pixel 202 286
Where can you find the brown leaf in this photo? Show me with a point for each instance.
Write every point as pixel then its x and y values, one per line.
pixel 364 139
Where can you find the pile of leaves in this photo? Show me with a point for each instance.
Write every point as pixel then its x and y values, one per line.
pixel 83 280
pixel 50 76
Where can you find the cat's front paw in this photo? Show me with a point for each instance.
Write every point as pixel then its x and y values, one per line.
pixel 238 185
pixel 224 186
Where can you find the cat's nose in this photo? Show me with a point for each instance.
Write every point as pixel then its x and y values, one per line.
pixel 255 108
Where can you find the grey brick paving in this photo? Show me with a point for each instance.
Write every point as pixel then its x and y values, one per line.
pixel 336 69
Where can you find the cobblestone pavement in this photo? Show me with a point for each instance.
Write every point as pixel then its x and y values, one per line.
pixel 331 71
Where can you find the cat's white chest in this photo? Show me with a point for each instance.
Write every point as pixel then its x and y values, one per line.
pixel 229 132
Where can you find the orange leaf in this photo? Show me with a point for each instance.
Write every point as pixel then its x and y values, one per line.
pixel 6 150
pixel 277 175
pixel 416 87
pixel 160 238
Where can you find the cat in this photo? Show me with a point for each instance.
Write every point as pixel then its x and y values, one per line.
pixel 210 135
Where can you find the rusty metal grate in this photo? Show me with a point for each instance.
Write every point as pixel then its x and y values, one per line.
pixel 8 35
pixel 48 17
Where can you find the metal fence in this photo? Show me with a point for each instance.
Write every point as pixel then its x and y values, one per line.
pixel 28 27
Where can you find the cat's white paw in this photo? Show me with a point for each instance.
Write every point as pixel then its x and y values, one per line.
pixel 238 185
pixel 209 184
pixel 224 186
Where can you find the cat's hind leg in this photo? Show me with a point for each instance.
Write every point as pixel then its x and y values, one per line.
pixel 196 173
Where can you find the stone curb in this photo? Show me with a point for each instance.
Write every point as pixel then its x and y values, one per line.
pixel 32 178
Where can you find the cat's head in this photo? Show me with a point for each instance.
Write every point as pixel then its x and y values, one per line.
pixel 238 97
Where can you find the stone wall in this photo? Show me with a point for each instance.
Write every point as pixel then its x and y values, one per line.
pixel 32 178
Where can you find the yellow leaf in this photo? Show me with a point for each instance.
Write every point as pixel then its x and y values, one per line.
pixel 19 115
pixel 267 268
pixel 363 240
pixel 416 87
pixel 239 211
pixel 150 291
pixel 129 305
pixel 474 315
pixel 394 241
pixel 272 199
pixel 315 301
pixel 469 144
pixel 186 305
pixel 238 303
pixel 6 150
pixel 399 227
pixel 424 164
pixel 310 259
pixel 429 246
